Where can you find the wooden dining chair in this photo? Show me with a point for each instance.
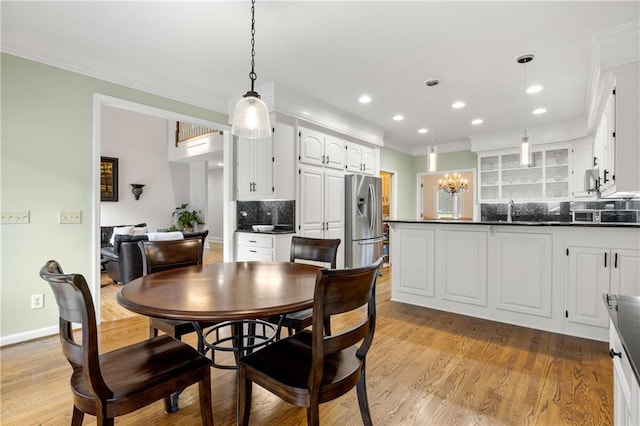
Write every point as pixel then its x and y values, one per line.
pixel 160 256
pixel 310 368
pixel 126 379
pixel 318 251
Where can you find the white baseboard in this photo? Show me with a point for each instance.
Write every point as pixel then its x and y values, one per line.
pixel 216 240
pixel 28 335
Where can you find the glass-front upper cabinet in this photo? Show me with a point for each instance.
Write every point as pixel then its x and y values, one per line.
pixel 502 177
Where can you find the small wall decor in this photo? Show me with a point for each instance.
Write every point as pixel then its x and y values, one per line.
pixel 136 189
pixel 108 179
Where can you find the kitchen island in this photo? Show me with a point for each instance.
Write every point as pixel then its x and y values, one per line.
pixel 544 275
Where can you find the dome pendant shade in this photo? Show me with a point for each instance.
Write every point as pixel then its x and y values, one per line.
pixel 251 118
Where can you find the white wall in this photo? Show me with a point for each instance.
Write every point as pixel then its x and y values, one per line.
pixel 215 204
pixel 139 142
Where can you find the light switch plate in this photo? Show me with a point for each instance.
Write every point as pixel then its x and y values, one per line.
pixel 69 216
pixel 15 217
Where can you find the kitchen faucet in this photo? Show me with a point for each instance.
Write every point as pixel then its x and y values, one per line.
pixel 511 210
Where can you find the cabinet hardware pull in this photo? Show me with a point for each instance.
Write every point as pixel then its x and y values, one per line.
pixel 253 251
pixel 613 353
pixel 327 159
pixel 252 241
pixel 605 259
pixel 615 261
pixel 606 172
pixel 323 159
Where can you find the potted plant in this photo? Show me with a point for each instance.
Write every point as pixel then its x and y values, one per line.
pixel 186 220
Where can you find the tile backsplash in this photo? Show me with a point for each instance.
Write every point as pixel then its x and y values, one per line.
pixel 528 212
pixel 280 213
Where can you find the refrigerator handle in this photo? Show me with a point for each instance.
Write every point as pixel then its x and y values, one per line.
pixel 372 210
pixel 372 241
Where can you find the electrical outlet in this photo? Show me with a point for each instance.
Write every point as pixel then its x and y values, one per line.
pixel 37 301
pixel 69 216
pixel 15 217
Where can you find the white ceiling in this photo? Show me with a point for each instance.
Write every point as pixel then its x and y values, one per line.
pixel 198 52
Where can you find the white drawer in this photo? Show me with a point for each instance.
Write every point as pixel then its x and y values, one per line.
pixel 255 240
pixel 248 254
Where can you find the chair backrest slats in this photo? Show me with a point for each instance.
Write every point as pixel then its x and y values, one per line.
pixel 76 306
pixel 337 342
pixel 163 255
pixel 315 249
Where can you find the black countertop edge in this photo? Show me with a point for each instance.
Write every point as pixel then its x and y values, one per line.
pixel 624 312
pixel 516 223
pixel 274 232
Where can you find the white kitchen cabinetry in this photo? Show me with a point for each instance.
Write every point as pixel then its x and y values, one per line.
pixel 360 159
pixel 322 150
pixel 600 261
pixel 321 204
pixel 263 247
pixel 254 168
pixel 626 390
pixel 265 167
pixel 604 145
pixel 502 177
pixel 624 150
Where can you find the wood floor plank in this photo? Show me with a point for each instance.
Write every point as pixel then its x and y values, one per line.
pixel 426 367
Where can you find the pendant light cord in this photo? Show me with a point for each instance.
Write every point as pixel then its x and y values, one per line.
pixel 252 74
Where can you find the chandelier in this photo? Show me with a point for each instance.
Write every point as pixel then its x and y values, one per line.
pixel 453 183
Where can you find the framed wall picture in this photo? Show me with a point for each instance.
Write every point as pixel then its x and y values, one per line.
pixel 108 179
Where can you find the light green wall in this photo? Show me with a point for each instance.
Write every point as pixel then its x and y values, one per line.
pixel 402 165
pixel 46 165
pixel 447 161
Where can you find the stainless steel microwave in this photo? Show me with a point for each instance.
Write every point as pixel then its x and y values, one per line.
pixel 585 216
pixel 606 216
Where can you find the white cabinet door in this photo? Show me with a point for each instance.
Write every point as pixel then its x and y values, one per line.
pixel 244 166
pixel 254 168
pixel 588 281
pixel 523 272
pixel 625 272
pixel 466 284
pixel 413 255
pixel 333 198
pixel 368 161
pixel 311 147
pixel 354 158
pixel 263 167
pixel 334 153
pixel 311 210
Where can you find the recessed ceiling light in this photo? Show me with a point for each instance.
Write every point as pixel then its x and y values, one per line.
pixel 534 89
pixel 477 121
pixel 220 164
pixel 398 117
pixel 364 99
pixel 458 105
pixel 539 111
pixel 423 131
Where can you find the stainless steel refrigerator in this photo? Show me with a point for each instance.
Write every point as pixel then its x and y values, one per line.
pixel 363 220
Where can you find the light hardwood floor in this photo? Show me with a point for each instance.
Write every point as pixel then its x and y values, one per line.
pixel 425 367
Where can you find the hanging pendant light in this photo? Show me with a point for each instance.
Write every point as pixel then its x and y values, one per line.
pixel 526 153
pixel 432 157
pixel 251 117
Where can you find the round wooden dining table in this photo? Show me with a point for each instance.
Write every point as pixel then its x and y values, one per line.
pixel 222 291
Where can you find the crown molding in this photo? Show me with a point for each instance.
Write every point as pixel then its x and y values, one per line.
pixel 195 98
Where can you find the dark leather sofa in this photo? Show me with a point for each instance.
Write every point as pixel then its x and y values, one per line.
pixel 124 260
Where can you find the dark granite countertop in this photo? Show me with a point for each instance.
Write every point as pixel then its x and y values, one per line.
pixel 276 231
pixel 517 223
pixel 624 312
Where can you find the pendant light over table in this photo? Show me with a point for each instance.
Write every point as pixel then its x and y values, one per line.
pixel 251 117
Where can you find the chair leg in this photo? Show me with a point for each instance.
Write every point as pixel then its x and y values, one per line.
pixel 206 406
pixel 313 414
pixel 244 393
pixel 361 389
pixel 77 418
